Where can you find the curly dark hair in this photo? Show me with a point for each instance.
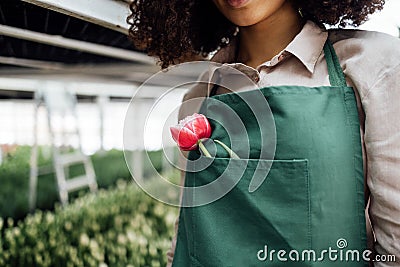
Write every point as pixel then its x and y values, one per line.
pixel 175 30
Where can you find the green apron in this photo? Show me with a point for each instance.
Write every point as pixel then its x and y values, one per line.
pixel 310 206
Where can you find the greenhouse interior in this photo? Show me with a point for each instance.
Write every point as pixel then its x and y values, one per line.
pixel 76 159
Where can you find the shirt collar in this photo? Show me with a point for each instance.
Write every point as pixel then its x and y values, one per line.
pixel 307 46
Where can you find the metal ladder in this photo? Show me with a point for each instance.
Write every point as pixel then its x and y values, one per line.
pixel 63 126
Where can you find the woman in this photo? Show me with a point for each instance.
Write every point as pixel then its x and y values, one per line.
pixel 281 43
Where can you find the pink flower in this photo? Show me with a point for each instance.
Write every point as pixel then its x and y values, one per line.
pixel 189 132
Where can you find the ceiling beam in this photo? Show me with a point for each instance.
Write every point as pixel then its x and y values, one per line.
pixel 37 64
pixel 87 87
pixel 63 42
pixel 92 68
pixel 108 13
pixel 123 72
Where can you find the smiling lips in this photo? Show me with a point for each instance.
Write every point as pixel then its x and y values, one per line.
pixel 236 3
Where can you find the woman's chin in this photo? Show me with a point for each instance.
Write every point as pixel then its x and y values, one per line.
pixel 244 21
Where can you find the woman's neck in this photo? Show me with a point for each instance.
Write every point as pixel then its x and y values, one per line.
pixel 262 41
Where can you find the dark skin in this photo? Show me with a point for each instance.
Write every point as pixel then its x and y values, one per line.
pixel 265 30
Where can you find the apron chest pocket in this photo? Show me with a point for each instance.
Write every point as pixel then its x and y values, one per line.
pixel 276 215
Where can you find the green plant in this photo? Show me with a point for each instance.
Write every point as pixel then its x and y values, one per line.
pixel 14 177
pixel 119 227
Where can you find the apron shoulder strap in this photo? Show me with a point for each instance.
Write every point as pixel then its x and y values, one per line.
pixel 336 75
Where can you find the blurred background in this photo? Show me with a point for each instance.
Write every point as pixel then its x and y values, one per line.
pixel 67 75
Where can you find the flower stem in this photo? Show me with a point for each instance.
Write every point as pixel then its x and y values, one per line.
pixel 231 153
pixel 204 149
